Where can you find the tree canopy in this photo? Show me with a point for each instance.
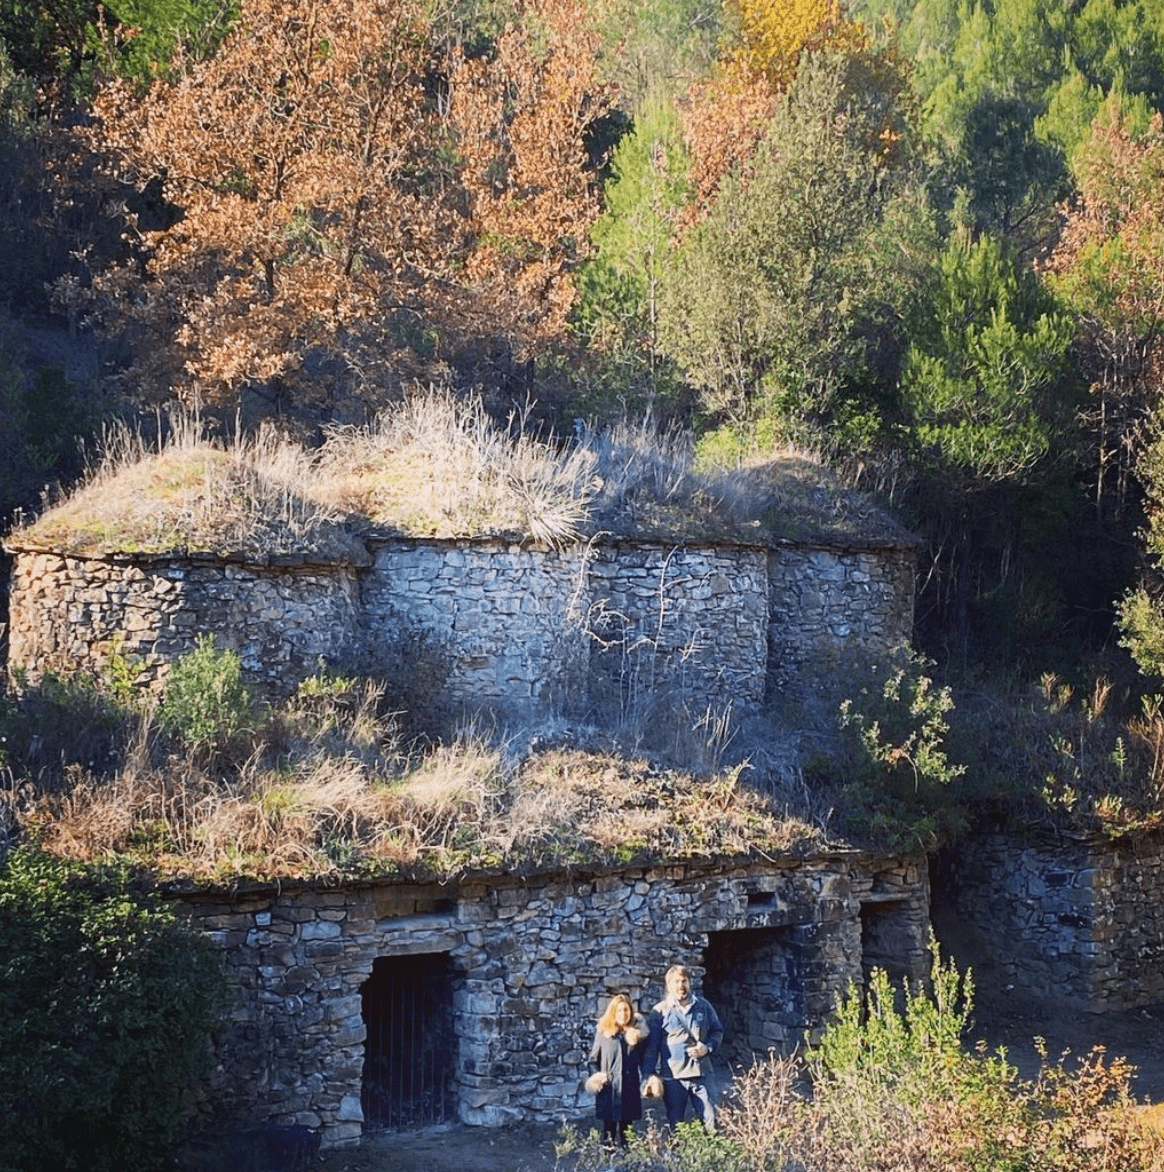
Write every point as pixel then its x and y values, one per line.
pixel 903 235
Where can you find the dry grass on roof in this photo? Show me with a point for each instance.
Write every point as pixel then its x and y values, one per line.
pixel 325 789
pixel 458 811
pixel 438 466
pixel 191 495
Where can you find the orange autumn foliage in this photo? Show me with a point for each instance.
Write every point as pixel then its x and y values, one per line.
pixel 342 195
pixel 726 116
pixel 520 119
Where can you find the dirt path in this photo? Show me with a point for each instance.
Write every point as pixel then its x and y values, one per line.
pixel 454 1149
pixel 1005 1016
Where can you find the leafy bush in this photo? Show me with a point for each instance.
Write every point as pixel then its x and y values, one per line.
pixel 892 759
pixel 895 1037
pixel 207 702
pixel 106 1002
pixel 894 1085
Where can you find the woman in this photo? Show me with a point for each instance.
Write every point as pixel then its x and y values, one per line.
pixel 619 1041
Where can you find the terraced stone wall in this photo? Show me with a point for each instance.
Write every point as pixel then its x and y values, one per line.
pixel 604 632
pixel 1080 923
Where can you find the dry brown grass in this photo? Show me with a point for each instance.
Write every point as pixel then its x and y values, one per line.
pixel 651 483
pixel 329 811
pixel 437 466
pixel 188 493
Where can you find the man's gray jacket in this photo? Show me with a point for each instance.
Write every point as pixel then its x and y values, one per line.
pixel 673 1030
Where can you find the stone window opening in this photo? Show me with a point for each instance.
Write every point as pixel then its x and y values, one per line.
pixel 886 933
pixel 753 978
pixel 411 1045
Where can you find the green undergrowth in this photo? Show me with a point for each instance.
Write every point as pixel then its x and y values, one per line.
pixel 209 783
pixel 106 1005
pixel 914 764
pixel 897 1081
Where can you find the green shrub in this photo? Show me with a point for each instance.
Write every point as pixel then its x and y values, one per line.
pixel 653 1149
pixel 905 1040
pixel 207 702
pixel 898 780
pixel 893 1081
pixel 106 1002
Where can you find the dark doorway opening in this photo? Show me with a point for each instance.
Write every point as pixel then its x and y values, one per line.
pixel 887 935
pixel 409 1055
pixel 753 978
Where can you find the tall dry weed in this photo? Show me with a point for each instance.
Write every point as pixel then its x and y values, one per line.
pixel 439 466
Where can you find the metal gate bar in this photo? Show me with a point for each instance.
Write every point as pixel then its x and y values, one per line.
pixel 407 1009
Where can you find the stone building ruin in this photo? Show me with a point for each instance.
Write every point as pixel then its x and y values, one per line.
pixel 522 632
pixel 380 1004
pixel 365 1005
pixel 387 1005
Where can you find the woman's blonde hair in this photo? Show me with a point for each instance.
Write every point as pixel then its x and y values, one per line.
pixel 607 1023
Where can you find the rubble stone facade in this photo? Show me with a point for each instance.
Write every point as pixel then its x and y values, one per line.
pixel 530 964
pixel 584 631
pixel 1080 923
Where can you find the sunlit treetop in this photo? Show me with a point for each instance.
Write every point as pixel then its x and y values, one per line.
pixel 726 115
pixel 774 33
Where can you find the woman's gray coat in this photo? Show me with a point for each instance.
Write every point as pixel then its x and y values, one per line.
pixel 620 1058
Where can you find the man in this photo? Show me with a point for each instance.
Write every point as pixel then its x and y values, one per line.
pixel 684 1032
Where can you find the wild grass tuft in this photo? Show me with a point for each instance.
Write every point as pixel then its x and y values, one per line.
pixel 440 467
pixel 185 492
pixel 325 784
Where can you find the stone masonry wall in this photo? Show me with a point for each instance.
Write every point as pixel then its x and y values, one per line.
pixel 824 600
pixel 690 620
pixel 68 613
pixel 592 632
pixel 1077 923
pixel 492 624
pixel 534 962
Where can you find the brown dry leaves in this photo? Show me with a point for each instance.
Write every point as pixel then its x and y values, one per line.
pixel 333 178
pixel 520 120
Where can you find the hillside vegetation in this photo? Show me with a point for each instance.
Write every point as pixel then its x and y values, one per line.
pixel 547 268
pixel 542 269
pixel 437 467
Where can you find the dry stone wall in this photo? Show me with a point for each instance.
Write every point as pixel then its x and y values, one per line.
pixel 479 624
pixel 68 613
pixel 1079 923
pixel 691 621
pixel 822 601
pixel 531 963
pixel 593 631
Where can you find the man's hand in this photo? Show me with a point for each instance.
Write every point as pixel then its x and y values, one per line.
pixel 699 1050
pixel 653 1089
